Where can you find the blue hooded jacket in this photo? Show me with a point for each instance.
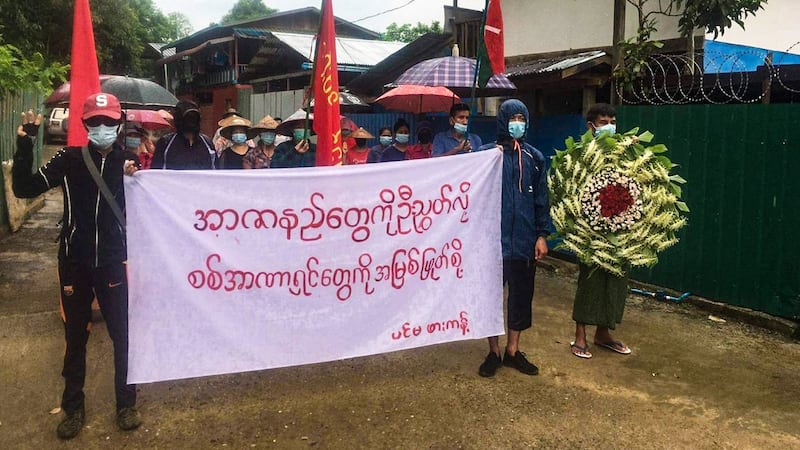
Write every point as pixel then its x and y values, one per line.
pixel 525 211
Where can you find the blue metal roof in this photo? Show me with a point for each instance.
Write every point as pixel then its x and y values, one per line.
pixel 723 57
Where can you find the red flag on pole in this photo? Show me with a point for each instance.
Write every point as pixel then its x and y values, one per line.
pixel 327 123
pixel 492 49
pixel 84 78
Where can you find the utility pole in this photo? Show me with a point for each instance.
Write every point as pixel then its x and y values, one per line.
pixel 617 37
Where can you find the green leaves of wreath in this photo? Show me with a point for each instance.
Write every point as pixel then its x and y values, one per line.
pixel 613 200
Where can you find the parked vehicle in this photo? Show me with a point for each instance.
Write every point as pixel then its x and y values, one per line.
pixel 57 125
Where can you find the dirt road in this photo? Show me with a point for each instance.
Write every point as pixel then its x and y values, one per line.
pixel 690 383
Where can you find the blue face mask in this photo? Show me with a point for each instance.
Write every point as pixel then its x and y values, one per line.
pixel 102 135
pixel 516 129
pixel 401 138
pixel 299 134
pixel 268 137
pixel 132 141
pixel 460 128
pixel 610 127
pixel 239 138
pixel 385 140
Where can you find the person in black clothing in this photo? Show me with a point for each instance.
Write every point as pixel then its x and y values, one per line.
pixel 234 129
pixel 187 148
pixel 397 151
pixel 299 152
pixel 92 251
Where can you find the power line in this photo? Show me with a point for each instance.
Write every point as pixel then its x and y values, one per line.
pixel 384 12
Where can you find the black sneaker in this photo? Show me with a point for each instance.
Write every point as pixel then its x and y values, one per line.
pixel 490 365
pixel 72 424
pixel 519 362
pixel 128 419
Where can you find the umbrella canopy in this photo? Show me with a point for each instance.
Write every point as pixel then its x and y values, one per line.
pixel 454 72
pixel 147 119
pixel 347 101
pixel 419 99
pixel 131 92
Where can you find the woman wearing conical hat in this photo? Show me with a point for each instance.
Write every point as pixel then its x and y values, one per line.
pixel 359 152
pixel 260 156
pixel 234 128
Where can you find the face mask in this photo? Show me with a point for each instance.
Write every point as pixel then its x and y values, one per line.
pixel 385 140
pixel 611 128
pixel 516 129
pixel 268 138
pixel 401 138
pixel 460 128
pixel 299 134
pixel 103 136
pixel 239 138
pixel 132 142
pixel 425 138
pixel 361 142
pixel 191 122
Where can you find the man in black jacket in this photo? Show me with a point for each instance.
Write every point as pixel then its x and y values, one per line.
pixel 187 148
pixel 92 251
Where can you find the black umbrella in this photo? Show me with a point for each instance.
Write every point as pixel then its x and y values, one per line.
pixel 347 101
pixel 132 93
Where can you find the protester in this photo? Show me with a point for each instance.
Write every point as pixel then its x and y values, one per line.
pixel 299 152
pixel 221 142
pixel 397 151
pixel 92 250
pixel 422 149
pixel 260 156
pixel 358 154
pixel 348 127
pixel 524 223
pixel 187 148
pixel 455 139
pixel 136 142
pixel 384 141
pixel 234 129
pixel 600 297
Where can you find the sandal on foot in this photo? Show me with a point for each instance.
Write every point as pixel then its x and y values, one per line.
pixel 616 346
pixel 582 352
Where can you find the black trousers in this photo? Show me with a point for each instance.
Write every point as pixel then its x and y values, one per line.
pixel 80 283
pixel 519 275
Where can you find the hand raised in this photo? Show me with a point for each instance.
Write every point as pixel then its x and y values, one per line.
pixel 30 124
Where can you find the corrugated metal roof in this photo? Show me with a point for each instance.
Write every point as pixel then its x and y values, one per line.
pixel 543 65
pixel 159 46
pixel 357 52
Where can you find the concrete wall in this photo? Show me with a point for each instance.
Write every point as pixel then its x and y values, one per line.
pixel 545 26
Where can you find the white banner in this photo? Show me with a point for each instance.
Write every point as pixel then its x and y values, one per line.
pixel 232 271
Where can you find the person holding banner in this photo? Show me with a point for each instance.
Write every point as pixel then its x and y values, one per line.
pixel 359 152
pixel 299 152
pixel 234 129
pixel 524 226
pixel 187 148
pixel 456 139
pixel 397 151
pixel 92 249
pixel 384 141
pixel 260 156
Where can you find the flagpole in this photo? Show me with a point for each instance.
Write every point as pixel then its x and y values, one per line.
pixel 310 92
pixel 472 108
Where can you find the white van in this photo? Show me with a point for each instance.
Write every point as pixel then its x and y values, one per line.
pixel 57 125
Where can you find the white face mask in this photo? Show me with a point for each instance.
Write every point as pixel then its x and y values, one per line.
pixel 103 136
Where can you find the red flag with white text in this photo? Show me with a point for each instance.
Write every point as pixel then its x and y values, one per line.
pixel 327 123
pixel 492 49
pixel 84 77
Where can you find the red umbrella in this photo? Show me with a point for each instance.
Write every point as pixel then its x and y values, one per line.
pixel 150 120
pixel 419 99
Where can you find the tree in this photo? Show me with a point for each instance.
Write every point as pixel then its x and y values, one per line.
pixel 247 9
pixel 19 73
pixel 180 25
pixel 715 15
pixel 407 33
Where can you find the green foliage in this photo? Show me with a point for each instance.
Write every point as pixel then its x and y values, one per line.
pixel 715 15
pixel 18 73
pixel 247 9
pixel 407 33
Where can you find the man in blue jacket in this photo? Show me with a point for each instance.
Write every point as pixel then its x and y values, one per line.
pixel 523 227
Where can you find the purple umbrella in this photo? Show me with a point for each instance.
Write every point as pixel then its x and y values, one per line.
pixel 454 72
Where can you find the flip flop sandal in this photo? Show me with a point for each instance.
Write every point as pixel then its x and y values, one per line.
pixel 584 351
pixel 615 346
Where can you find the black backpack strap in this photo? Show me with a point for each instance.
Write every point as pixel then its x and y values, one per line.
pixel 104 190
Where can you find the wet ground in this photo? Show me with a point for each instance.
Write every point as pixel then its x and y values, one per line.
pixel 690 383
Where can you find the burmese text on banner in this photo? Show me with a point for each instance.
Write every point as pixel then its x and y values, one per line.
pixel 232 271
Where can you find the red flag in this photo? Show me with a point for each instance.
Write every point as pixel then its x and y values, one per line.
pixel 327 123
pixel 492 50
pixel 84 78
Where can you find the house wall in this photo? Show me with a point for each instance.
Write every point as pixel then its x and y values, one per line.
pixel 545 26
